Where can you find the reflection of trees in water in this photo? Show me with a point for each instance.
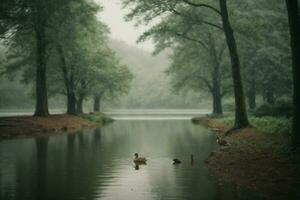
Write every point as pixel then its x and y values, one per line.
pixel 81 139
pixel 71 142
pixel 85 163
pixel 97 137
pixel 41 162
pixel 79 165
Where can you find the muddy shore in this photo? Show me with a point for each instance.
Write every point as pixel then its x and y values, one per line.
pixel 24 126
pixel 258 161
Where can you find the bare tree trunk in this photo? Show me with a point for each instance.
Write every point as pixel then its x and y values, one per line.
pixel 41 108
pixel 294 23
pixel 241 117
pixel 217 103
pixel 216 77
pixel 69 83
pixel 71 103
pixel 97 103
pixel 80 104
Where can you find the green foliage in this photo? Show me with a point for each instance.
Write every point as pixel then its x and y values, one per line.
pixel 79 60
pixel 98 118
pixel 279 109
pixel 183 31
pixel 272 125
pixel 265 53
pixel 150 87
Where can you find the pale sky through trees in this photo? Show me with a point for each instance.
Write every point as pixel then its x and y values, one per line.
pixel 120 29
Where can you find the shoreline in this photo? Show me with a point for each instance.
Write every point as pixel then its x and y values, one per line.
pixel 29 126
pixel 257 161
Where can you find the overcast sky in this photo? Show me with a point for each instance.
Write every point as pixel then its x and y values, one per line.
pixel 120 29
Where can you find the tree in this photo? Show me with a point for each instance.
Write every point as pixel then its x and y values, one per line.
pixel 33 16
pixel 151 10
pixel 294 24
pixel 264 51
pixel 116 83
pixel 71 25
pixel 195 43
pixel 241 118
pixel 84 59
pixel 201 69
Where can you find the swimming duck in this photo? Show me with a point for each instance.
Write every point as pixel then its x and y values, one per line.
pixel 221 142
pixel 139 160
pixel 176 161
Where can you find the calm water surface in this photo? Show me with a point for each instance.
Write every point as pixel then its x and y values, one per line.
pixel 97 164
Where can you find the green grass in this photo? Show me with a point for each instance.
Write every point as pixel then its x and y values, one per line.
pixel 98 118
pixel 273 125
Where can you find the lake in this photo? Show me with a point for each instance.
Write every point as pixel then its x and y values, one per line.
pixel 98 163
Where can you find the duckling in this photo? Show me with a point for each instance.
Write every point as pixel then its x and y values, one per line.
pixel 139 160
pixel 222 142
pixel 176 161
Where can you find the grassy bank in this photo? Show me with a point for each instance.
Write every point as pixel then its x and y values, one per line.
pixel 22 126
pixel 257 158
pixel 270 125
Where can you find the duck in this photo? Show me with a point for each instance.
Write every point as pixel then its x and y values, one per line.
pixel 222 142
pixel 176 161
pixel 139 160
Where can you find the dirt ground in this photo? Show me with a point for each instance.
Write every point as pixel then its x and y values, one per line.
pixel 257 161
pixel 22 126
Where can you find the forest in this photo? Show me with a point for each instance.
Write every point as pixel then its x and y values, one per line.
pixel 237 61
pixel 56 51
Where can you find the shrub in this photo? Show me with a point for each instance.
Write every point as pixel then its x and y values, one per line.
pixel 279 109
pixel 272 124
pixel 97 118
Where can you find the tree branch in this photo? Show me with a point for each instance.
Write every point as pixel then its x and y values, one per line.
pixel 222 49
pixel 200 21
pixel 201 5
pixel 192 39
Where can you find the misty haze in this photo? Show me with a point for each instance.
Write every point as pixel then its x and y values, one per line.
pixel 149 99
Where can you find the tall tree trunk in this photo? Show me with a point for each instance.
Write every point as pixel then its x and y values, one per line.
pixel 71 103
pixel 41 108
pixel 80 104
pixel 241 117
pixel 215 75
pixel 69 83
pixel 217 103
pixel 252 95
pixel 97 101
pixel 294 23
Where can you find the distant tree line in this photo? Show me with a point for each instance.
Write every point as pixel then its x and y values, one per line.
pixel 213 41
pixel 60 47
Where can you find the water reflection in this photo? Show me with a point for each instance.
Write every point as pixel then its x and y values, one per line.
pixel 98 164
pixel 41 166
